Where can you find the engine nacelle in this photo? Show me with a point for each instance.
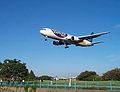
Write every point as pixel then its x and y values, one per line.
pixel 58 43
pixel 72 38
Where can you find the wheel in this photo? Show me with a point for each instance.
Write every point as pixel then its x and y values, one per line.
pixel 45 39
pixel 66 47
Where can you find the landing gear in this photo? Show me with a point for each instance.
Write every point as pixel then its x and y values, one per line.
pixel 66 46
pixel 45 39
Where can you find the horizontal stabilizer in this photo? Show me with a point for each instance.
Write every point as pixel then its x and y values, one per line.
pixel 97 42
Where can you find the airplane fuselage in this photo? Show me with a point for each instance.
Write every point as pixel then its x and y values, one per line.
pixel 63 37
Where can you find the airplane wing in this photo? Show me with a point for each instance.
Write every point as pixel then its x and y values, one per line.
pixel 92 36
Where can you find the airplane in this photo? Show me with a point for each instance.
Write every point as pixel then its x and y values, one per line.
pixel 67 39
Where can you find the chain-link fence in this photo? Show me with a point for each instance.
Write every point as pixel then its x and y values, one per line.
pixel 99 85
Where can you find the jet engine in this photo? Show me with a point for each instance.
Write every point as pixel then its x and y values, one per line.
pixel 58 43
pixel 72 38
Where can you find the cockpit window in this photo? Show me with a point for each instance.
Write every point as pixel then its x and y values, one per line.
pixel 44 28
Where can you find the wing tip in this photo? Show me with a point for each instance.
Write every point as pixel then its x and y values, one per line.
pixel 106 32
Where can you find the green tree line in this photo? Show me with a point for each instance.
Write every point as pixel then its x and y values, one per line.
pixel 113 74
pixel 15 70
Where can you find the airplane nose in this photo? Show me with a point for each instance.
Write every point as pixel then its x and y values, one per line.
pixel 42 31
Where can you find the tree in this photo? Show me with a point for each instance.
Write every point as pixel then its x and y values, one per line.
pixel 98 78
pixel 31 76
pixel 45 77
pixel 0 65
pixel 13 70
pixel 87 76
pixel 0 68
pixel 113 74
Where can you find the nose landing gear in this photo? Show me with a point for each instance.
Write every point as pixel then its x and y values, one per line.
pixel 45 39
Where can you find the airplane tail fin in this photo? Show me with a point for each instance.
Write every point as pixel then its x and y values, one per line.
pixel 91 39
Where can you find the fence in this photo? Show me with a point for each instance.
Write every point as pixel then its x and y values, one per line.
pixel 99 85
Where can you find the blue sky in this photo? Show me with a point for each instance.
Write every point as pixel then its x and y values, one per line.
pixel 20 22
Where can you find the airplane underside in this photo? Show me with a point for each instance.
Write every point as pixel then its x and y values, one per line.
pixel 58 43
pixel 66 39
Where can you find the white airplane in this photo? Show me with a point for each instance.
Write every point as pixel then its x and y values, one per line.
pixel 66 39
